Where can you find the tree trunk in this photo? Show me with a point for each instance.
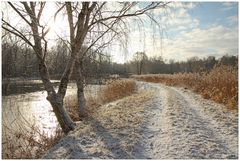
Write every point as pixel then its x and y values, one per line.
pixel 140 68
pixel 62 116
pixel 80 86
pixel 65 77
pixel 56 100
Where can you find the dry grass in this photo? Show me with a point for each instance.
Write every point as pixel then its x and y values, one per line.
pixel 27 143
pixel 220 84
pixel 117 89
pixel 71 105
pixel 113 90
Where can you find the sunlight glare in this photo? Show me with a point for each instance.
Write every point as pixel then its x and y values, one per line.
pixel 53 26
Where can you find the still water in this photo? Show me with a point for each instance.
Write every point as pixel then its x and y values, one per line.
pixel 30 109
pixel 23 111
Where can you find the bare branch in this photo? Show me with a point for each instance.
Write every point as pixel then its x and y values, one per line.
pixel 28 9
pixel 103 45
pixel 98 10
pixel 100 36
pixel 16 32
pixel 111 28
pixel 88 14
pixel 55 15
pixel 42 4
pixel 80 21
pixel 153 5
pixel 70 20
pixel 20 14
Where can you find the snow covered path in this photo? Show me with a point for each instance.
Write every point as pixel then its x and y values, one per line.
pixel 182 125
pixel 160 122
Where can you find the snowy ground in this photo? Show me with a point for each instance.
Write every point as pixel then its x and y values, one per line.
pixel 159 122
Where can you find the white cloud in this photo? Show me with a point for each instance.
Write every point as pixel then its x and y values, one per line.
pixel 176 16
pixel 175 6
pixel 202 42
pixel 232 19
pixel 179 20
pixel 214 41
pixel 186 5
pixel 228 5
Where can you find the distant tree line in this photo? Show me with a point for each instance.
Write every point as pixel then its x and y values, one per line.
pixel 19 61
pixel 156 65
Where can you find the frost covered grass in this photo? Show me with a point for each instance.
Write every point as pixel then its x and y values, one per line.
pixel 113 90
pixel 220 84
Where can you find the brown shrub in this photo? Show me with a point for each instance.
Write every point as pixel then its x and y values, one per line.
pixel 220 84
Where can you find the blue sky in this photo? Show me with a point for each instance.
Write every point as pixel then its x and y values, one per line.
pixel 209 13
pixel 187 29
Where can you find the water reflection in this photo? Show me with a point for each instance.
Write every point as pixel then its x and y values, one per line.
pixel 32 109
pixel 26 111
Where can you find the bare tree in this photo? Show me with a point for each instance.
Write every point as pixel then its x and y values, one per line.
pixel 140 58
pixel 94 18
pixel 31 14
pixel 90 24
